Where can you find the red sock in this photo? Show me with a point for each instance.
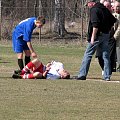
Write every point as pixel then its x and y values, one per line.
pixel 28 67
pixel 28 76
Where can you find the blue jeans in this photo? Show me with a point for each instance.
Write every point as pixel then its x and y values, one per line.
pixel 103 42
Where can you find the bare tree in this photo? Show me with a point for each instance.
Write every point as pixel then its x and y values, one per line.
pixel 0 19
pixel 57 12
pixel 59 18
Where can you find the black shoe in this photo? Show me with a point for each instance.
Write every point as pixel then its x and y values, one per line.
pixel 17 72
pixel 81 78
pixel 16 76
pixel 114 70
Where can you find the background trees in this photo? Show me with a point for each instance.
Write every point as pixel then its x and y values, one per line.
pixel 59 13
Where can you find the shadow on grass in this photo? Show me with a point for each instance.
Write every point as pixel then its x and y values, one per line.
pixel 75 77
pixel 96 78
pixel 4 62
pixel 5 77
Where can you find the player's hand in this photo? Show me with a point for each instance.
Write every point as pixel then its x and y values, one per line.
pixel 34 55
pixel 48 68
pixel 92 41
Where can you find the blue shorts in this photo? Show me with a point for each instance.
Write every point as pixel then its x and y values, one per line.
pixel 19 45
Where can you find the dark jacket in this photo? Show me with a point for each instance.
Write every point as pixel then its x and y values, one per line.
pixel 101 18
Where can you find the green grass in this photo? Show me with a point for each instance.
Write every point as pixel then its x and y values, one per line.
pixel 92 99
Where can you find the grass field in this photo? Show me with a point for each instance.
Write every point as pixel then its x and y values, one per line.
pixel 92 99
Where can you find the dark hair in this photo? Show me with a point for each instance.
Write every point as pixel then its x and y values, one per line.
pixel 67 75
pixel 41 19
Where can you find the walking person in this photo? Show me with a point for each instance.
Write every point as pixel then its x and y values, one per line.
pixel 100 23
pixel 21 39
pixel 116 8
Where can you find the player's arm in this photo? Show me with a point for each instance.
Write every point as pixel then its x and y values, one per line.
pixel 44 74
pixel 33 54
pixel 95 20
pixel 46 71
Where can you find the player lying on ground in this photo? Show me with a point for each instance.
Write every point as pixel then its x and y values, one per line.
pixel 36 69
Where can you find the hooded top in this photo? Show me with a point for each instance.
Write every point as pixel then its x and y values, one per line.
pixel 101 18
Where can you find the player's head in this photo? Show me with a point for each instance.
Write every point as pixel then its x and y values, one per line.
pixel 40 21
pixel 64 74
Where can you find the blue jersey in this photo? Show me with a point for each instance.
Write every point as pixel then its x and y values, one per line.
pixel 22 34
pixel 25 28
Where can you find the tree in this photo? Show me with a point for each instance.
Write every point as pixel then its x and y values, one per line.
pixel 59 18
pixel 0 19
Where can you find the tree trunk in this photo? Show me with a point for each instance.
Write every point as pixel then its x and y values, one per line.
pixel 0 19
pixel 44 6
pixel 59 18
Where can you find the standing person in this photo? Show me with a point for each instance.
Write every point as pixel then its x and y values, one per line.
pixel 21 39
pixel 112 46
pixel 100 23
pixel 116 8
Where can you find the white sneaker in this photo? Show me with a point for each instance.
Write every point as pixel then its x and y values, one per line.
pixel 102 72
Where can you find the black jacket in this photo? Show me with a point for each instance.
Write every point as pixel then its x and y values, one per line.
pixel 101 18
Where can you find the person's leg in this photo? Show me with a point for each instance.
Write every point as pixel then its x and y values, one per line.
pixel 118 54
pixel 27 56
pixel 112 45
pixel 106 56
pixel 17 47
pixel 37 75
pixel 20 60
pixel 113 59
pixel 118 59
pixel 36 62
pixel 87 59
pixel 31 66
pixel 101 62
pixel 99 56
pixel 21 46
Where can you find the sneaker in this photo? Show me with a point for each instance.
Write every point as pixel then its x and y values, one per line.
pixel 17 72
pixel 107 79
pixel 118 68
pixel 16 76
pixel 81 78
